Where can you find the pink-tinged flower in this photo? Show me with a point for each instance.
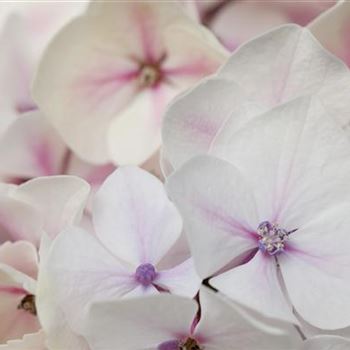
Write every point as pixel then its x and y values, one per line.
pixel 45 204
pixel 169 322
pixel 327 343
pixel 238 21
pixel 26 28
pixel 272 69
pixel 271 214
pixel 18 272
pixel 136 226
pixel 123 62
pixel 332 30
pixel 30 148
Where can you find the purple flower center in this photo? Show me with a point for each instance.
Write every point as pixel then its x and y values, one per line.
pixel 169 345
pixel 150 75
pixel 145 274
pixel 272 238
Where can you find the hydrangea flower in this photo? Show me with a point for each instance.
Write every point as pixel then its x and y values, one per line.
pixel 140 55
pixel 169 322
pixel 272 213
pixel 332 30
pixel 28 213
pixel 136 226
pixel 275 68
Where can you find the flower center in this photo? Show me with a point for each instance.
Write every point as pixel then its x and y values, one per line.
pixel 272 238
pixel 189 344
pixel 28 304
pixel 150 75
pixel 145 274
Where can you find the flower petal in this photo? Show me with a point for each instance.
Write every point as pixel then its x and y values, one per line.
pixel 218 210
pixel 256 285
pixel 299 66
pixel 327 343
pixel 317 264
pixel 228 326
pixel 295 157
pixel 181 279
pixel 59 200
pixel 134 218
pixel 30 148
pixel 117 322
pixel 193 120
pixel 81 271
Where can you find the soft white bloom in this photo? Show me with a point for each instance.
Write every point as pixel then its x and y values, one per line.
pixel 273 214
pixel 272 69
pixel 107 76
pixel 136 226
pixel 169 322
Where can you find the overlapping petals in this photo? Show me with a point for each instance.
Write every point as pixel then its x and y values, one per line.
pixel 136 226
pixel 275 68
pixel 288 168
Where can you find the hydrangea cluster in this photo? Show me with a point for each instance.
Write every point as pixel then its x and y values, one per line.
pixel 175 175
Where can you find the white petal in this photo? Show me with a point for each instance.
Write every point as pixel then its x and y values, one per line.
pixel 181 279
pixel 228 326
pixel 286 63
pixel 316 269
pixel 134 218
pixel 256 285
pixel 141 323
pixel 218 210
pixel 297 162
pixel 327 343
pixel 135 135
pixel 81 270
pixel 59 200
pixel 193 119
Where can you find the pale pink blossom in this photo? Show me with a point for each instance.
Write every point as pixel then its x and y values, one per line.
pixel 332 30
pixel 136 226
pixel 106 78
pixel 271 214
pixel 169 322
